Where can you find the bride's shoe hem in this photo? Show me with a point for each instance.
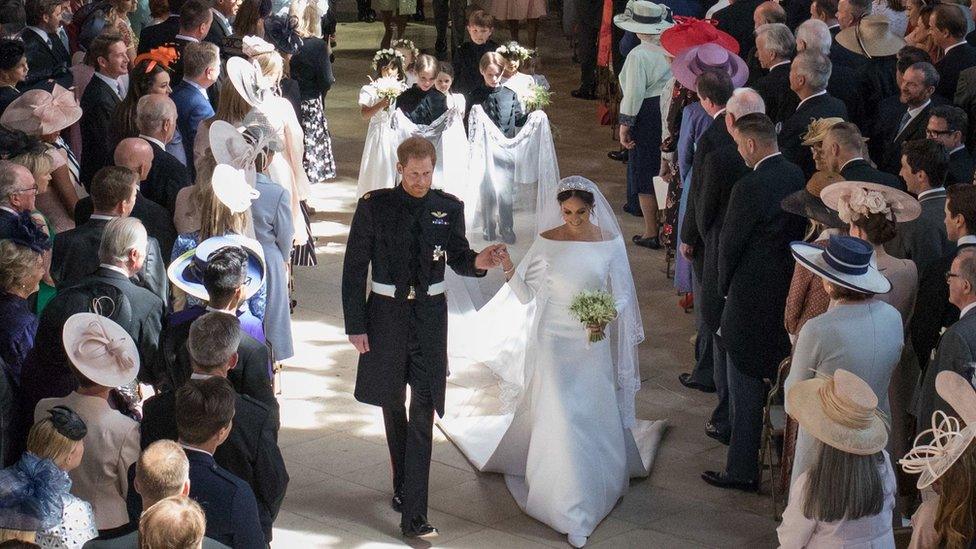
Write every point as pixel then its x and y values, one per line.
pixel 575 540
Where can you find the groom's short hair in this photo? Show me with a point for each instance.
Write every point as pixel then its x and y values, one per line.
pixel 416 147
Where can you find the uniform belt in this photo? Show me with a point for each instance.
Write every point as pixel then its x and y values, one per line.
pixel 389 290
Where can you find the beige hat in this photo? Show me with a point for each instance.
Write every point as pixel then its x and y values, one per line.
pixel 853 199
pixel 871 37
pixel 947 440
pixel 248 80
pixel 840 411
pixel 38 112
pixel 100 349
pixel 817 129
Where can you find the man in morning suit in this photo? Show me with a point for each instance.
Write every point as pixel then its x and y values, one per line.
pixel 224 12
pixel 849 14
pixel 720 169
pixel 406 236
pixel 156 120
pixel 714 88
pixel 251 450
pixel 775 48
pixel 75 253
pixel 755 269
pixel 948 30
pixel 948 125
pixel 18 194
pixel 737 20
pixel 205 413
pixel 99 101
pixel 933 310
pixel 843 150
pixel 814 36
pixel 809 74
pixel 909 120
pixel 195 21
pixel 47 57
pixel 924 239
pixel 957 346
pixel 201 69
pixel 164 32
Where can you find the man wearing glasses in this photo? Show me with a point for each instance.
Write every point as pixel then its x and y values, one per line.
pixel 17 194
pixel 949 125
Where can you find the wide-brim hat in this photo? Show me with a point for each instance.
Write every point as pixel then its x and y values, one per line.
pixel 689 32
pixel 233 149
pixel 689 65
pixel 100 349
pixel 805 204
pixel 38 112
pixel 231 188
pixel 841 411
pixel 247 80
pixel 871 37
pixel 644 17
pixel 904 206
pixel 846 261
pixel 817 130
pixel 186 271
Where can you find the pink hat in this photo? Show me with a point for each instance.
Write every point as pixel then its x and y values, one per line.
pixel 100 349
pixel 690 63
pixel 37 112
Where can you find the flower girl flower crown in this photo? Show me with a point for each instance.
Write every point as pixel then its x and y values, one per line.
pixel 514 52
pixel 406 44
pixel 389 54
pixel 863 203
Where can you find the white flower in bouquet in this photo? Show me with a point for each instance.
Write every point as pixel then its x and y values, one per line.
pixel 388 87
pixel 536 97
pixel 594 309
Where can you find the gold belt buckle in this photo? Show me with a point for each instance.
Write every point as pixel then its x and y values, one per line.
pixel 412 294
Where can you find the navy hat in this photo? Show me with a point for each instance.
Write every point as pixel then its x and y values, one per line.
pixel 186 271
pixel 846 261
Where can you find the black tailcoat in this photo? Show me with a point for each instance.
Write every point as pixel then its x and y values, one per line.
pixel 956 60
pixel 45 62
pixel 98 104
pixel 791 133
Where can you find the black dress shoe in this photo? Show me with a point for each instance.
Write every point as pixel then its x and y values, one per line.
pixel 370 15
pixel 397 503
pixel 653 242
pixel 712 431
pixel 508 236
pixel 686 380
pixel 722 480
pixel 620 156
pixel 419 528
pixel 583 94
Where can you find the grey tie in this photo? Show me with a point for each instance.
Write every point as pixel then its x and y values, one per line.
pixel 905 118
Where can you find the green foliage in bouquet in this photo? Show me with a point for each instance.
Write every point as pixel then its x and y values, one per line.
pixel 538 98
pixel 594 308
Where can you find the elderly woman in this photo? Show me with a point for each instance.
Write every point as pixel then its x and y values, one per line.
pixel 21 270
pixel 37 504
pixel 858 332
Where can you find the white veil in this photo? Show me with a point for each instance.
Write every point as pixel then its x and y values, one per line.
pixel 498 336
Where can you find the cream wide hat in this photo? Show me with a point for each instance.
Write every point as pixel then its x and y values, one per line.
pixel 841 411
pixel 100 349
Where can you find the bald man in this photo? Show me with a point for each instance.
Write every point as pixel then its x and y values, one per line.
pixel 17 195
pixel 137 155
pixel 156 120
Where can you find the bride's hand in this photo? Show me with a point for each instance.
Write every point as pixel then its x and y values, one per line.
pixel 596 329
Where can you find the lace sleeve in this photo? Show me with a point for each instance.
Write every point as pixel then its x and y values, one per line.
pixel 77 526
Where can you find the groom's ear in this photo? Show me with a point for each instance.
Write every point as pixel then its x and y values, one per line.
pixel 399 168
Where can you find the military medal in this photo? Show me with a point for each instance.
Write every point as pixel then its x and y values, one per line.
pixel 438 252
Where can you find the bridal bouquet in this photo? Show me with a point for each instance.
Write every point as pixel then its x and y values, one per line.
pixel 537 98
pixel 594 309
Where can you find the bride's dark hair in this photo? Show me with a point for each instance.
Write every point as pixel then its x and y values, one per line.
pixel 585 196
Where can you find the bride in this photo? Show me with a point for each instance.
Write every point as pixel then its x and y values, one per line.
pixel 567 453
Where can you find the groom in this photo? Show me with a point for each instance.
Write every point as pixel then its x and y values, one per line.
pixel 407 234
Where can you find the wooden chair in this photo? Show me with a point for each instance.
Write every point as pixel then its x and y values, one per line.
pixel 774 425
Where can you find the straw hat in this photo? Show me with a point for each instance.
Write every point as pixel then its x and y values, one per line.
pixel 871 37
pixel 38 112
pixel 947 440
pixel 841 411
pixel 689 32
pixel 644 17
pixel 853 199
pixel 689 64
pixel 100 349
pixel 247 80
pixel 846 261
pixel 817 130
pixel 806 202
pixel 231 188
pixel 186 271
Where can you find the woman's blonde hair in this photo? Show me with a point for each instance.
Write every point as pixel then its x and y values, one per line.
pixel 955 520
pixel 44 441
pixel 215 218
pixel 308 16
pixel 17 263
pixel 37 161
pixel 176 522
pixel 231 106
pixel 272 66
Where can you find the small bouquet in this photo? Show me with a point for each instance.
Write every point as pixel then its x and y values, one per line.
pixel 537 98
pixel 594 309
pixel 388 88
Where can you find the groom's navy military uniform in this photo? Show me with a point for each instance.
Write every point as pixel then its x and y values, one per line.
pixel 407 242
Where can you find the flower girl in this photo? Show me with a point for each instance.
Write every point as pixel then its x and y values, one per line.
pixel 377 169
pixel 410 53
pixel 519 82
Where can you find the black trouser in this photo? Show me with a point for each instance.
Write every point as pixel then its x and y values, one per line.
pixel 409 438
pixel 363 6
pixel 747 397
pixel 452 10
pixel 500 196
pixel 590 16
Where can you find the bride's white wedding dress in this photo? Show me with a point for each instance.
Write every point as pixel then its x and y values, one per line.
pixel 571 442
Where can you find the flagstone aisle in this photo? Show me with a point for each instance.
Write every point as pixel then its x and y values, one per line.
pixel 334 447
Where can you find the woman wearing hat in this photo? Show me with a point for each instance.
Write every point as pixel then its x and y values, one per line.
pixel 871 41
pixel 859 333
pixel 103 356
pixel 642 81
pixel 944 457
pixel 846 496
pixel 37 504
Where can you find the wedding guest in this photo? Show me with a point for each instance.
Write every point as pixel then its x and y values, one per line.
pixel 923 240
pixel 814 35
pixel 948 29
pixel 47 58
pixel 201 69
pixel 844 153
pixel 737 20
pixel 105 92
pixel 868 45
pixel 21 270
pixel 165 30
pixel 775 48
pixel 895 12
pixel 514 11
pixel 908 122
pixel 38 506
pixel 18 194
pixel 194 24
pixel 13 70
pixel 175 521
pixel 892 105
pixel 224 12
pixel 156 118
pixel 847 495
pixel 283 35
pixel 948 125
pixel 754 274
pixel 103 356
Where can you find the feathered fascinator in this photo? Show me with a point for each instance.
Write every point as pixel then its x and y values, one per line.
pixel 26 233
pixel 31 493
pixel 283 33
pixel 68 423
pixel 164 56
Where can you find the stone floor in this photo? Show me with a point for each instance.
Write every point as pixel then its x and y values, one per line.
pixel 334 447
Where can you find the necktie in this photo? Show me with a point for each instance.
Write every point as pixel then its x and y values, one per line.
pixel 904 122
pixel 120 90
